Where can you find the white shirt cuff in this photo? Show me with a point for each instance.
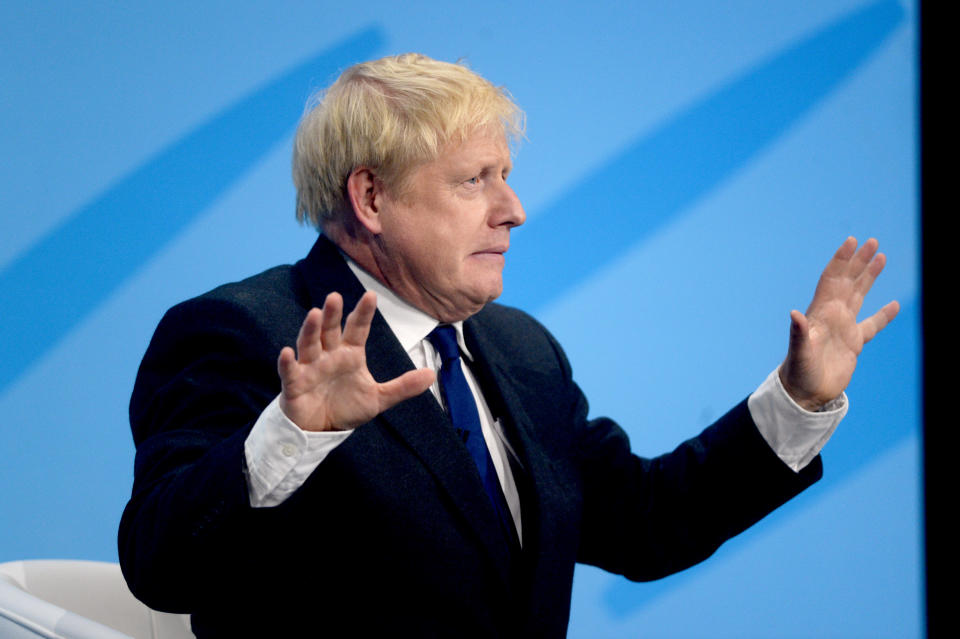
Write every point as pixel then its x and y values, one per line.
pixel 795 434
pixel 280 456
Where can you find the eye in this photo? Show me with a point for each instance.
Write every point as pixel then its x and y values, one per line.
pixel 474 180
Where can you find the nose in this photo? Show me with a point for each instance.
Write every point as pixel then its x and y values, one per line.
pixel 508 210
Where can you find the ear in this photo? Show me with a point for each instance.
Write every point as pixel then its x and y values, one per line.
pixel 365 191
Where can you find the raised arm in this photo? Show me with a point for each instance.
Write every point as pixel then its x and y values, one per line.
pixel 826 341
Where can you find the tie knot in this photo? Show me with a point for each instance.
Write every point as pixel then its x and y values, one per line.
pixel 444 339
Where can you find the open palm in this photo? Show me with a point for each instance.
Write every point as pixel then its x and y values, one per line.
pixel 826 341
pixel 326 383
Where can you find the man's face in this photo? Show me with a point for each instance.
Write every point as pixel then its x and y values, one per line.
pixel 442 240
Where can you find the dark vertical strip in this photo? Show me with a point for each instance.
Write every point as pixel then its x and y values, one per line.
pixel 937 250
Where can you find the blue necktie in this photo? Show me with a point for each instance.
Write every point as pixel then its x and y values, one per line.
pixel 466 420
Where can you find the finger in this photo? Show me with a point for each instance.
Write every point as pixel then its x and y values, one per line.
pixel 357 328
pixel 878 321
pixel 308 340
pixel 330 324
pixel 286 365
pixel 865 281
pixel 408 385
pixel 862 257
pixel 841 259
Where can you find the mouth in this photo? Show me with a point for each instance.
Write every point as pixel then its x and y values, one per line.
pixel 494 250
pixel 491 256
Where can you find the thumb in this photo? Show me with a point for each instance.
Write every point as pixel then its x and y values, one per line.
pixel 799 330
pixel 408 385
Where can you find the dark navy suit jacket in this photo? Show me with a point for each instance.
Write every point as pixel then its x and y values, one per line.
pixel 393 531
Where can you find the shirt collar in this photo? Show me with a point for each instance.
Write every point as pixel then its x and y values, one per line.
pixel 409 324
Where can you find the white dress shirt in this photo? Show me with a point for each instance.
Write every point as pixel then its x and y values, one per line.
pixel 280 456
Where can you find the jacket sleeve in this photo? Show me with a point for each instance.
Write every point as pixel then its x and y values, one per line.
pixel 646 518
pixel 207 374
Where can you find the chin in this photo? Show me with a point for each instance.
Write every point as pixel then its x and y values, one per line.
pixel 491 291
pixel 473 303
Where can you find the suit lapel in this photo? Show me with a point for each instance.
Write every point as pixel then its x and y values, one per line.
pixel 419 422
pixel 545 510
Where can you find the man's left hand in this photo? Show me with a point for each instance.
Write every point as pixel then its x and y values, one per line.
pixel 825 342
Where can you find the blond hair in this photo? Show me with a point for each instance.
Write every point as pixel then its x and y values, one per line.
pixel 390 115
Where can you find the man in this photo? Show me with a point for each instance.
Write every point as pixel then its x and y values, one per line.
pixel 353 494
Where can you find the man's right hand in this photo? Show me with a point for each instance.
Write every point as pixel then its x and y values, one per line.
pixel 326 383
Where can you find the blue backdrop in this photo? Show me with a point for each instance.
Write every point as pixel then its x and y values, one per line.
pixel 690 167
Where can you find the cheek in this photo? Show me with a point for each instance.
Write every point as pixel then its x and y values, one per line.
pixel 437 262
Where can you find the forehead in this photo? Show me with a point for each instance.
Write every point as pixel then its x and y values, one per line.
pixel 483 146
pixel 482 150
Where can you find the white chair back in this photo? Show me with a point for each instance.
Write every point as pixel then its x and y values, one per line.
pixel 69 599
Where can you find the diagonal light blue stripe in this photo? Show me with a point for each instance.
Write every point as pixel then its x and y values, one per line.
pixel 68 273
pixel 662 174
